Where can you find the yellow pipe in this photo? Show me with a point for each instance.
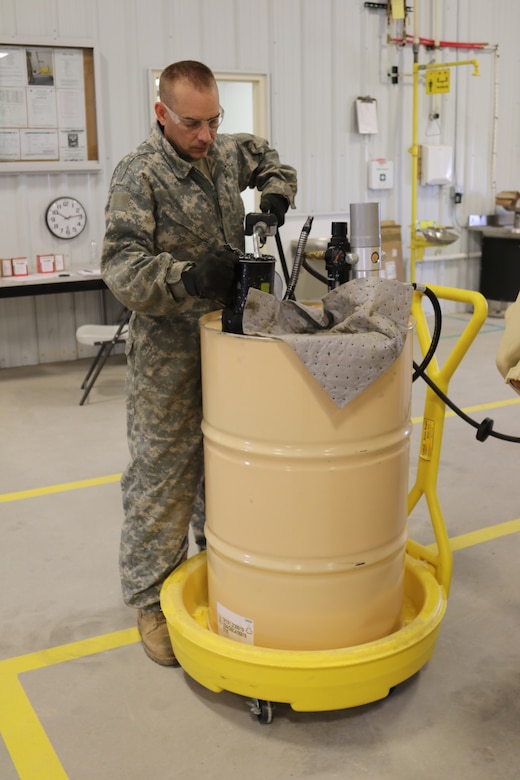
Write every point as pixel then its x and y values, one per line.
pixel 417 244
pixel 415 156
pixel 434 65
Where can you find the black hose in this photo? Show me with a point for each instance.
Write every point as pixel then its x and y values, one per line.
pixel 484 428
pixel 300 249
pixel 281 255
pixel 436 330
pixel 313 272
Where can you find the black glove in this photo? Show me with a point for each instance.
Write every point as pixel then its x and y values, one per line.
pixel 213 276
pixel 276 204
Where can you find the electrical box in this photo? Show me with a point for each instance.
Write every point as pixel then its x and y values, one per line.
pixel 436 164
pixel 380 174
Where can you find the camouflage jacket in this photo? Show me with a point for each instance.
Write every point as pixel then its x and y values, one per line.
pixel 162 213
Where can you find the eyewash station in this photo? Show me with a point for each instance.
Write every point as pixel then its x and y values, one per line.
pixel 312 591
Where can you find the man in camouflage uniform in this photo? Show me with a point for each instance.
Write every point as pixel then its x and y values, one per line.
pixel 173 204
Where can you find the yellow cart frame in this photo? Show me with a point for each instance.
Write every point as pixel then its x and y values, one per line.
pixel 336 679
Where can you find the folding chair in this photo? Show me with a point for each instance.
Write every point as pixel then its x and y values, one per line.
pixel 105 337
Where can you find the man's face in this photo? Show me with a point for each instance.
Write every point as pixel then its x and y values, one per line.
pixel 188 129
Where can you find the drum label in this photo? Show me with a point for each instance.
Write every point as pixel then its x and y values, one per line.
pixel 234 626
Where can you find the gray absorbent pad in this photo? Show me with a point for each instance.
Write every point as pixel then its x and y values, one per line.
pixel 356 334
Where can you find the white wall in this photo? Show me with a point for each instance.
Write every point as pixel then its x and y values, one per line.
pixel 320 55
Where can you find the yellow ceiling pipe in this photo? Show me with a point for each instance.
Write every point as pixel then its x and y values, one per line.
pixel 417 243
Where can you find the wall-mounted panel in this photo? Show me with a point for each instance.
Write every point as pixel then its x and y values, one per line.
pixel 48 111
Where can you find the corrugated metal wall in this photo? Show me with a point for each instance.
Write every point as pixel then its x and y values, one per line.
pixel 320 55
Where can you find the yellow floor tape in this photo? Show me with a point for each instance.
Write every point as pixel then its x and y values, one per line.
pixel 473 538
pixel 45 491
pixel 30 749
pixel 20 726
pixel 473 409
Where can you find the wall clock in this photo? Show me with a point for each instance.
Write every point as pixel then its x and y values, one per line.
pixel 65 217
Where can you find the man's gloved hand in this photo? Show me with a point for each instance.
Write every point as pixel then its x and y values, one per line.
pixel 276 204
pixel 213 277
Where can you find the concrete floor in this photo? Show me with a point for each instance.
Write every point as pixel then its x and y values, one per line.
pixel 79 698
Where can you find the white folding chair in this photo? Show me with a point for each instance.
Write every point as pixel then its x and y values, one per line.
pixel 105 337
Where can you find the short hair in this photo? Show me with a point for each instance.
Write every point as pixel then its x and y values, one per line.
pixel 198 74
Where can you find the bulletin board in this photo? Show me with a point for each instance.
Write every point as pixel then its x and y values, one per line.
pixel 48 107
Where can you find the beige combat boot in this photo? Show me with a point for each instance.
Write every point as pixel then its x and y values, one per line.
pixel 155 638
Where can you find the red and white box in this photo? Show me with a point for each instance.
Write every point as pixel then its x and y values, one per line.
pixel 6 267
pixel 20 266
pixel 45 264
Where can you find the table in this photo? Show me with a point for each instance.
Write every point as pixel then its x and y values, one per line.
pixel 50 284
pixel 25 336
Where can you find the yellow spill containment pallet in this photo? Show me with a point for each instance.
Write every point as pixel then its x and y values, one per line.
pixel 318 680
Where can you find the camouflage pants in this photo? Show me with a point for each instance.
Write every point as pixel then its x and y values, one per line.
pixel 198 519
pixel 162 486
